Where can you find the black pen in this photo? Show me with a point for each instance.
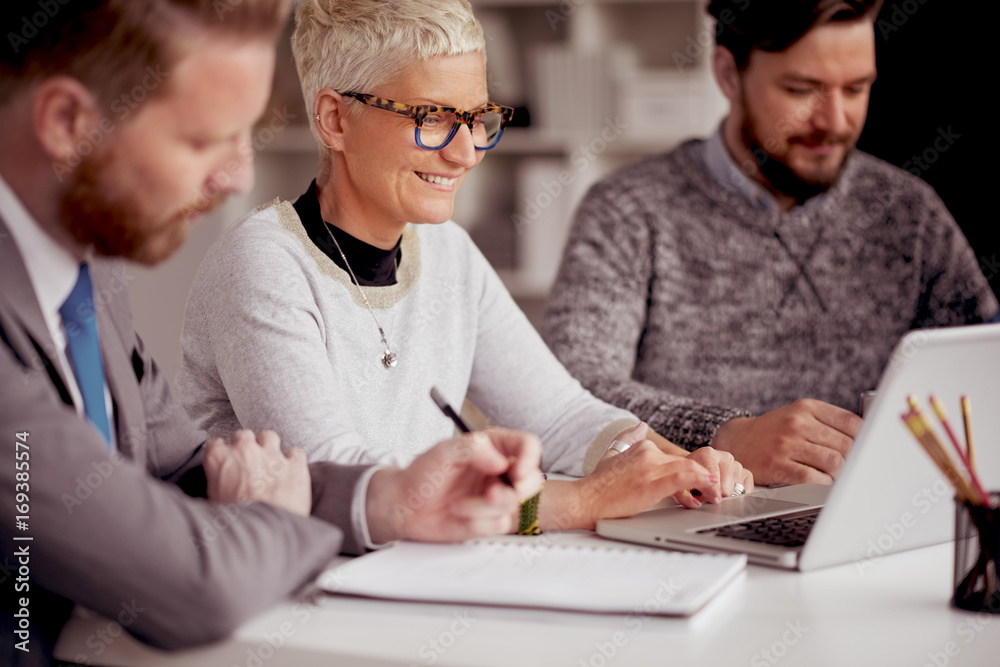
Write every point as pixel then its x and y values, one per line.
pixel 450 413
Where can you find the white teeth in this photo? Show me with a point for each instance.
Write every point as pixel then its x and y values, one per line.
pixel 437 180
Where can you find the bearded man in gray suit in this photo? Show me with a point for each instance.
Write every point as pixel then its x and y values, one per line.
pixel 123 122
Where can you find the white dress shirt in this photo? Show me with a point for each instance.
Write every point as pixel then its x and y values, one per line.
pixel 53 272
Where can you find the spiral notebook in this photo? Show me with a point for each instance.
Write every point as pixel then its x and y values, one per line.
pixel 590 577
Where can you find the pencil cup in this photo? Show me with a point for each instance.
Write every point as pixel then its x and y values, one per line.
pixel 977 557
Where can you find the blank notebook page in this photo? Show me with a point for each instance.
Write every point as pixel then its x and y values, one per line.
pixel 582 578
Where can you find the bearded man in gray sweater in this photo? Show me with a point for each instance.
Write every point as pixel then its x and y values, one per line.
pixel 742 290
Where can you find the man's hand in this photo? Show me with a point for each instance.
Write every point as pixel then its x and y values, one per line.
pixel 255 469
pixel 453 492
pixel 803 442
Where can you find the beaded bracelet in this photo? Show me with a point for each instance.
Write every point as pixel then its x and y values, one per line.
pixel 529 514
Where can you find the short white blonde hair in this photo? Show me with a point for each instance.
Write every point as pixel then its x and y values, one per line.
pixel 357 45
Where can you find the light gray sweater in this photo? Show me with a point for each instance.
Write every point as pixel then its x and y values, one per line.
pixel 688 306
pixel 276 336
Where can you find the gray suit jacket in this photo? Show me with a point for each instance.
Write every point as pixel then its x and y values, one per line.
pixel 114 532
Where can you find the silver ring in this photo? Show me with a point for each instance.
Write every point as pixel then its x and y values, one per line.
pixel 619 446
pixel 738 490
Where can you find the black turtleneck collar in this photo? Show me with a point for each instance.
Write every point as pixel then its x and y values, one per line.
pixel 373 266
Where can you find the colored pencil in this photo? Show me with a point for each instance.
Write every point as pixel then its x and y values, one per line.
pixel 921 431
pixel 943 418
pixel 967 418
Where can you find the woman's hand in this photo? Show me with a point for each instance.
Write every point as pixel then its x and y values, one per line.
pixel 628 482
pixel 635 474
pixel 725 467
pixel 624 484
pixel 719 463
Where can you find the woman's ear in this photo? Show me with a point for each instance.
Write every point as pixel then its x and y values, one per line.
pixel 330 117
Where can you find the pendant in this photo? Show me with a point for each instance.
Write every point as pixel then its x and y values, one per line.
pixel 389 359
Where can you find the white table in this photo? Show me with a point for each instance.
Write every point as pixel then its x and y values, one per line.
pixel 894 612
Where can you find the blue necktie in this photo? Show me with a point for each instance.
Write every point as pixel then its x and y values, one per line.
pixel 84 348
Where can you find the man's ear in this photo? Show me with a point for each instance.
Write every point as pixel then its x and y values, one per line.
pixel 66 119
pixel 727 75
pixel 331 107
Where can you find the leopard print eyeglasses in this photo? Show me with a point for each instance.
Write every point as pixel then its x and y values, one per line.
pixel 436 126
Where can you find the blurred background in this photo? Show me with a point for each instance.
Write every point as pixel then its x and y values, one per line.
pixel 599 84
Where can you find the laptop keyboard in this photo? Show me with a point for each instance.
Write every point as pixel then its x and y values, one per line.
pixel 789 530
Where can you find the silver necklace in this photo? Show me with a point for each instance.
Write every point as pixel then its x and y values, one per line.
pixel 389 358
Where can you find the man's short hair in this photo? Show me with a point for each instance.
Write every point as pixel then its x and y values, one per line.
pixel 774 25
pixel 111 45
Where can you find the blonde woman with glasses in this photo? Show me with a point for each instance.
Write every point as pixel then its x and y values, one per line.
pixel 330 318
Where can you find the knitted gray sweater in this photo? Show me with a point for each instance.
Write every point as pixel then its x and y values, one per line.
pixel 687 306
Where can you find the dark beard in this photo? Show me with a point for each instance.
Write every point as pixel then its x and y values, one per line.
pixel 781 177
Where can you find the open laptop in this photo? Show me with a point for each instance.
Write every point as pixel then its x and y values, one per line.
pixel 888 497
